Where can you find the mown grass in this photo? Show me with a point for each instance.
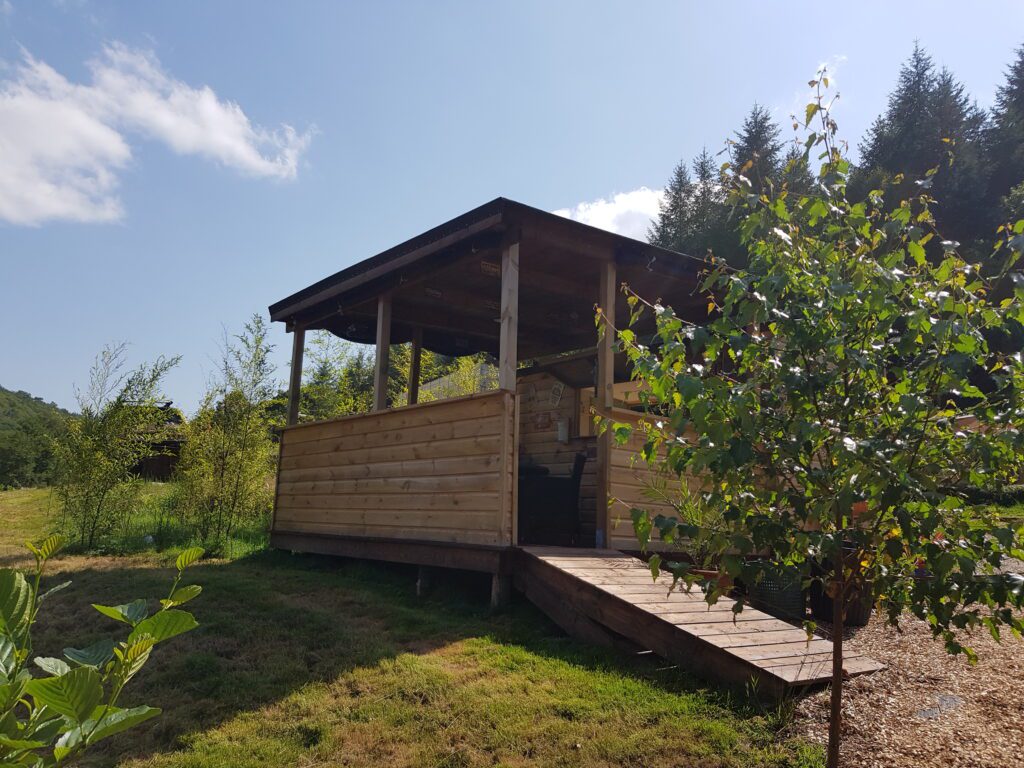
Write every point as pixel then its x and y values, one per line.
pixel 310 661
pixel 152 527
pixel 1013 513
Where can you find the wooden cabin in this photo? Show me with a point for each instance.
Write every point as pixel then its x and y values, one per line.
pixel 439 482
pixel 512 481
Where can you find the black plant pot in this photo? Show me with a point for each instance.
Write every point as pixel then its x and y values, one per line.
pixel 858 610
pixel 782 597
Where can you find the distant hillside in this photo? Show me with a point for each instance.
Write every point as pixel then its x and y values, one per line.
pixel 26 425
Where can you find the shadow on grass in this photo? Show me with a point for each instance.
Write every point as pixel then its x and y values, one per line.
pixel 273 623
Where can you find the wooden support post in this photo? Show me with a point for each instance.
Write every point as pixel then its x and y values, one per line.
pixel 423 579
pixel 295 379
pixel 501 591
pixel 605 400
pixel 414 365
pixel 507 359
pixel 380 372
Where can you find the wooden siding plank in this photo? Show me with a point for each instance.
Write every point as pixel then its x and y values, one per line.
pixel 444 449
pixel 431 412
pixel 470 501
pixel 430 472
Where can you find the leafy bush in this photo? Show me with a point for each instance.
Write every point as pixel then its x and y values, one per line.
pixel 52 720
pixel 225 472
pixel 119 426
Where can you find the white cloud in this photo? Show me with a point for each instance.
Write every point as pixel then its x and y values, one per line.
pixel 6 8
pixel 62 145
pixel 626 213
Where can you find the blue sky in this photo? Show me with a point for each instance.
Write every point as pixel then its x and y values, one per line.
pixel 168 169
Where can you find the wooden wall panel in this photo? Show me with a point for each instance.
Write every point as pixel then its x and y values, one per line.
pixel 540 408
pixel 634 484
pixel 439 471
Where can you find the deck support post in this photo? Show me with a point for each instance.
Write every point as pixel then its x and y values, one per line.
pixel 415 353
pixel 424 576
pixel 295 378
pixel 604 398
pixel 501 591
pixel 380 371
pixel 507 360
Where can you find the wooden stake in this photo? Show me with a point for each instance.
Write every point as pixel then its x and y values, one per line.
pixel 295 379
pixel 380 373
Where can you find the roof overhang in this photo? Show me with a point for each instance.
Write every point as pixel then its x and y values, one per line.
pixel 446 282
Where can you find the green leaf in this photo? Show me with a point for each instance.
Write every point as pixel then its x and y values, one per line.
pixel 52 590
pixel 182 595
pixel 916 251
pixel 7 658
pixel 50 546
pixel 812 110
pixel 164 625
pixel 67 743
pixel 116 720
pixel 655 565
pixel 52 666
pixel 134 657
pixel 733 565
pixel 19 745
pixel 95 655
pixel 15 604
pixel 129 613
pixel 73 695
pixel 189 556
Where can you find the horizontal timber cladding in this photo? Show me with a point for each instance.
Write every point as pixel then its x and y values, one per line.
pixel 433 472
pixel 543 402
pixel 635 484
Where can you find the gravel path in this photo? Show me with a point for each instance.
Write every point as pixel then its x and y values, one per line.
pixel 927 708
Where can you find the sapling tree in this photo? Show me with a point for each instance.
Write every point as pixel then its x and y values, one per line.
pixel 53 710
pixel 119 425
pixel 226 468
pixel 849 392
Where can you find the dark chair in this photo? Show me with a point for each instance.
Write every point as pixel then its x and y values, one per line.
pixel 549 507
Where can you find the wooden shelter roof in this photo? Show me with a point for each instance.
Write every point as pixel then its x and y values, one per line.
pixel 446 282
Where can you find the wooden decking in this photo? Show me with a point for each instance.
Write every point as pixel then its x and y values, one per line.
pixel 605 596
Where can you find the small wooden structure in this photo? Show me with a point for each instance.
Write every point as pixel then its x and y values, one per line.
pixel 438 483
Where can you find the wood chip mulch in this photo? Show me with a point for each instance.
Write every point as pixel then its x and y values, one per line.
pixel 926 708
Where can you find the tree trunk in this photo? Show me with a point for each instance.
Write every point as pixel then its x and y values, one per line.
pixel 835 720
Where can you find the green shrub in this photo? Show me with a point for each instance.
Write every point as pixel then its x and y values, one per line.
pixel 120 425
pixel 51 720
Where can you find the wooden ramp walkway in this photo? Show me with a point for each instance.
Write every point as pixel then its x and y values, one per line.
pixel 605 596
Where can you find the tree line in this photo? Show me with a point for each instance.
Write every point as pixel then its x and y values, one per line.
pixel 930 121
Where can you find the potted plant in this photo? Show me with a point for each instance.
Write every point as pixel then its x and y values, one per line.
pixel 691 533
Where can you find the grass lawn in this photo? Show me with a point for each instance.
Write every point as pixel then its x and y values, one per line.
pixel 310 661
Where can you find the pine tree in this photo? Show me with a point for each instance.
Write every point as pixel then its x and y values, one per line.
pixel 900 137
pixel 1005 138
pixel 710 215
pixel 694 217
pixel 930 122
pixel 757 143
pixel 796 174
pixel 673 225
pixel 958 123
